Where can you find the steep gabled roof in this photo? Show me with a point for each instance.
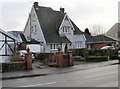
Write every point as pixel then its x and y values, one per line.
pixel 50 22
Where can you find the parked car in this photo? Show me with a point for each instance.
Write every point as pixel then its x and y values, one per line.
pixel 22 55
pixel 108 47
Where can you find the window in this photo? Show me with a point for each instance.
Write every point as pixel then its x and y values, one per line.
pixel 33 17
pixel 66 29
pixel 53 46
pixel 32 29
pixel 78 44
pixel 35 30
pixel 63 29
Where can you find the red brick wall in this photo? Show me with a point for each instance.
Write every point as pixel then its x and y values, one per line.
pixel 13 66
pixel 100 45
pixel 28 58
pixel 62 59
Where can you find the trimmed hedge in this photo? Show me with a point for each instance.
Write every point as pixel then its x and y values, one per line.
pixel 78 52
pixel 97 58
pixel 86 53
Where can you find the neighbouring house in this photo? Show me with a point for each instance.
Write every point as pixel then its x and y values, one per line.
pixel 97 42
pixel 114 33
pixel 17 35
pixel 7 45
pixel 52 29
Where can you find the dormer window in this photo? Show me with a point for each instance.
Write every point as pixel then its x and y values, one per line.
pixel 66 29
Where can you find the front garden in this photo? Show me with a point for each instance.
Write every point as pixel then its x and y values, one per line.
pixel 94 55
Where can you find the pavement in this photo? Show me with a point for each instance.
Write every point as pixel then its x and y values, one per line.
pixel 41 70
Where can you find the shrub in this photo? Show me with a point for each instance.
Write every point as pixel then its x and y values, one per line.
pixel 78 52
pixel 97 58
pixel 37 56
pixel 46 61
pixel 15 57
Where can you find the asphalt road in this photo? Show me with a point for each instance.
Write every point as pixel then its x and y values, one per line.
pixel 96 77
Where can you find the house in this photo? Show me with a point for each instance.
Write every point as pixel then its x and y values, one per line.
pixel 114 33
pixel 7 46
pixel 16 34
pixel 97 42
pixel 52 29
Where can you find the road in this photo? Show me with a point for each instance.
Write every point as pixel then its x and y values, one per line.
pixel 106 76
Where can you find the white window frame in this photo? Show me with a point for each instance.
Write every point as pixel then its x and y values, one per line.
pixel 53 46
pixel 78 44
pixel 66 29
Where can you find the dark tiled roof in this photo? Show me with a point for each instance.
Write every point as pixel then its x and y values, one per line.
pixel 89 38
pixel 98 38
pixel 102 38
pixel 50 22
pixel 77 31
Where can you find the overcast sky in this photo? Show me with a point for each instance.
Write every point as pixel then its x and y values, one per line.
pixel 84 13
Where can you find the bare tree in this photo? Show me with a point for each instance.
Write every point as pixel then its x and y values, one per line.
pixel 97 29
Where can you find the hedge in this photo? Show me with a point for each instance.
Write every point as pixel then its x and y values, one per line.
pixel 97 58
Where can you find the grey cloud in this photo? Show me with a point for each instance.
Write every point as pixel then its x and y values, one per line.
pixel 13 13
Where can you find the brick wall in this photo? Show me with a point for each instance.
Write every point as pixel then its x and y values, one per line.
pixel 100 45
pixel 61 59
pixel 20 65
pixel 13 66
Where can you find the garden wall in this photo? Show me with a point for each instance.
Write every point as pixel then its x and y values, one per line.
pixel 13 66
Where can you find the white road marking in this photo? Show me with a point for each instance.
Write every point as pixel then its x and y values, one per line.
pixel 39 84
pixel 101 75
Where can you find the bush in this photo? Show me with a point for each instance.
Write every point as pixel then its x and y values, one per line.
pixel 46 61
pixel 95 52
pixel 97 58
pixel 78 52
pixel 37 56
pixel 15 57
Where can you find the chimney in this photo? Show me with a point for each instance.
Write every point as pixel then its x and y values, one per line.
pixel 62 10
pixel 35 4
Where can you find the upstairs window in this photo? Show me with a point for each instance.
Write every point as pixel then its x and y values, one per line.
pixel 66 29
pixel 35 30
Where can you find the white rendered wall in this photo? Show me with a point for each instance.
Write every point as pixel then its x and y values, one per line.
pixel 36 31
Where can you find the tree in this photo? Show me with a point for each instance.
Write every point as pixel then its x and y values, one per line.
pixel 97 29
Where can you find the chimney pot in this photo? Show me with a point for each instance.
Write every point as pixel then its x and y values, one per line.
pixel 62 10
pixel 36 4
